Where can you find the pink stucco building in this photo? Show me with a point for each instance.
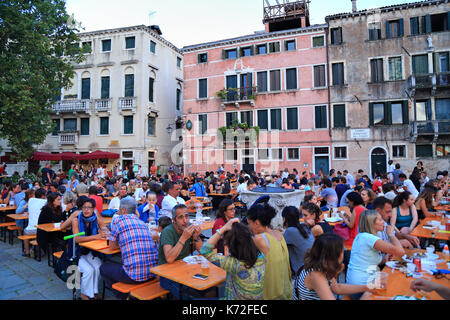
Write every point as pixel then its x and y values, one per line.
pixel 275 80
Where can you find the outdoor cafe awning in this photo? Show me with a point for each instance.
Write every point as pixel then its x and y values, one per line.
pixel 44 156
pixel 98 155
pixel 68 155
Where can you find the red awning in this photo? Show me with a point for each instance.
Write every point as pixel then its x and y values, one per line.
pixel 68 155
pixel 98 155
pixel 44 156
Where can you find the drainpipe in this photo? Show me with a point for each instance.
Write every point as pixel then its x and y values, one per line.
pixel 328 80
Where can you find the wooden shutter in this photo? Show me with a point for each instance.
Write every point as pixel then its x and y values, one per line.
pixel 427 23
pixel 448 20
pixel 371 114
pixel 401 27
pixel 405 111
pixel 388 30
pixel 263 117
pixel 86 88
pixel 277 46
pixel 339 115
pixel 387 113
pixel 224 54
pixel 105 88
pixel 150 89
pixel 414 25
pixel 129 85
pixel 198 59
pixel 84 126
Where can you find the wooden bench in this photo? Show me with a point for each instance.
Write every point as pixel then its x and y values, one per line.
pixel 3 227
pixel 149 292
pixel 58 254
pixel 26 237
pixel 11 230
pixel 127 288
pixel 36 247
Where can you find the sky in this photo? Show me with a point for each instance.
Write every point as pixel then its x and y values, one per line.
pixel 186 23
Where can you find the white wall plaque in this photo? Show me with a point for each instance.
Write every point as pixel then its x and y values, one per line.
pixel 360 133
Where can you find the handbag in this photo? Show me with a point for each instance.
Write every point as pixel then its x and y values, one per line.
pixel 63 264
pixel 109 212
pixel 342 231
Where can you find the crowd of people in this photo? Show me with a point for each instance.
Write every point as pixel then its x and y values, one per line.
pixel 305 260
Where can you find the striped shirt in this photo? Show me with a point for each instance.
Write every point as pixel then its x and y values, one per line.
pixel 139 252
pixel 301 292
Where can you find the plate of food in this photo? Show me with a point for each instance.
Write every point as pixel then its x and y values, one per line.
pixel 396 264
pixel 333 219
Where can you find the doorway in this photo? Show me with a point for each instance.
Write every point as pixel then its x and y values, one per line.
pixel 321 162
pixel 378 162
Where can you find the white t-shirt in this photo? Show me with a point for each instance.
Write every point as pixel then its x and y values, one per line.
pixel 411 187
pixel 114 203
pixel 34 210
pixel 167 205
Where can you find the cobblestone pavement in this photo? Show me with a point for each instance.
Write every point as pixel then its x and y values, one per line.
pixel 24 278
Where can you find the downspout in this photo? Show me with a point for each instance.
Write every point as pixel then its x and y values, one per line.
pixel 328 79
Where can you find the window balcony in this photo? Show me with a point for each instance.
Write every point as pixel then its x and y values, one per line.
pixel 127 104
pixel 72 106
pixel 238 96
pixel 431 81
pixel 429 128
pixel 102 105
pixel 68 138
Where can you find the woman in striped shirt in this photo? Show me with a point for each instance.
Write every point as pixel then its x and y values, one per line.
pixel 323 264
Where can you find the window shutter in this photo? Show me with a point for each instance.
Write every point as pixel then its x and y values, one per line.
pixel 401 27
pixel 427 23
pixel 224 54
pixel 428 109
pixel 129 85
pixel 405 110
pixel 448 20
pixel 252 50
pixel 371 34
pixel 198 58
pixel 388 30
pixel 277 47
pixel 371 114
pixel 285 45
pixel 263 123
pixel 339 116
pixel 86 88
pixel 387 113
pixel 340 35
pixel 105 88
pixel 414 25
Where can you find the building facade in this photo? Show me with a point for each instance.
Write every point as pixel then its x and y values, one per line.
pixel 125 98
pixel 389 87
pixel 272 80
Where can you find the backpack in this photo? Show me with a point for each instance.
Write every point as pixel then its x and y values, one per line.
pixel 63 264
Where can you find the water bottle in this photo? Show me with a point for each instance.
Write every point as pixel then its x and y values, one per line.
pixel 198 215
pixel 445 253
pixel 11 201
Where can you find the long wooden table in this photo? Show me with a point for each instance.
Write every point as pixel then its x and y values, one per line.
pixel 99 246
pixel 422 232
pixel 7 208
pixel 22 216
pixel 48 227
pixel 183 273
pixel 399 284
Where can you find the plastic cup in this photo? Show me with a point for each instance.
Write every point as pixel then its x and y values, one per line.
pixel 325 216
pixel 57 225
pixel 430 250
pixel 411 267
pixel 205 268
pixel 381 282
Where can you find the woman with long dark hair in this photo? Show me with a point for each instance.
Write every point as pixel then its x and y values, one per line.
pixel 245 265
pixel 323 264
pixel 51 213
pixel 404 213
pixel 225 213
pixel 425 203
pixel 298 238
pixel 351 216
pixel 311 216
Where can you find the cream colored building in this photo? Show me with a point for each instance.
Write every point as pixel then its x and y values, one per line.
pixel 125 96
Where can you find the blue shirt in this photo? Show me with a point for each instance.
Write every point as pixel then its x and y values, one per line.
pixel 19 197
pixel 364 258
pixel 144 215
pixel 344 202
pixel 199 190
pixel 329 194
pixel 350 179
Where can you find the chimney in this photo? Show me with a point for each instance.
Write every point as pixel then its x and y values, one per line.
pixel 354 6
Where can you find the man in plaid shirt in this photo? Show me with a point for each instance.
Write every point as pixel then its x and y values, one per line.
pixel 139 252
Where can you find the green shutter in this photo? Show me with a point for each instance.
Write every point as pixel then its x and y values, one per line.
pixel 105 88
pixel 405 110
pixel 263 117
pixel 388 30
pixel 129 85
pixel 371 114
pixel 86 88
pixel 252 50
pixel 427 23
pixel 224 54
pixel 198 58
pixel 277 46
pixel 387 113
pixel 339 116
pixel 401 27
pixel 448 20
pixel 414 25
pixel 104 125
pixel 84 126
pixel 150 89
pixel 128 124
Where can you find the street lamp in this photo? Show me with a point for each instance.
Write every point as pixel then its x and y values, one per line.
pixel 169 129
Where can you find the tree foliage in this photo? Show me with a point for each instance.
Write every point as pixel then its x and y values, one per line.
pixel 38 44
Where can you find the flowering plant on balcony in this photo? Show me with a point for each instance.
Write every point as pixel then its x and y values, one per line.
pixel 236 129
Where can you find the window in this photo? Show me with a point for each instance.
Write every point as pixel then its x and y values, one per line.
pixel 338 73
pixel 151 126
pixel 105 88
pixel 293 153
pixel 442 109
pixel 261 49
pixel 151 84
pixel 70 124
pixel 375 31
pixel 376 70
pixel 152 46
pixel 321 117
pixel 230 54
pixel 275 80
pixel 275 119
pixel 262 81
pixel 203 88
pixel 104 125
pixel 86 88
pixel 56 126
pixel 395 68
pixel 417 25
pixel 202 123
pixel 130 42
pixel 106 45
pixel 319 76
pixel 423 110
pixel 320 150
pixel 442 150
pixel 84 128
pixel 202 58
pixel 289 45
pixel 178 62
pixel 231 118
pixel 263 154
pixel 387 113
pixel 394 28
pixel 263 119
pixel 439 22
pixel 231 155
pixel 336 35
pixel 291 79
pixel 318 42
pixel 399 151
pixel 340 152
pixel 128 124
pixel 424 150
pixel 441 64
pixel 277 154
pixel 292 118
pixel 86 46
pixel 274 47
pixel 129 85
pixel 246 52
pixel 178 99
pixel 247 117
pixel 339 116
pixel 420 64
